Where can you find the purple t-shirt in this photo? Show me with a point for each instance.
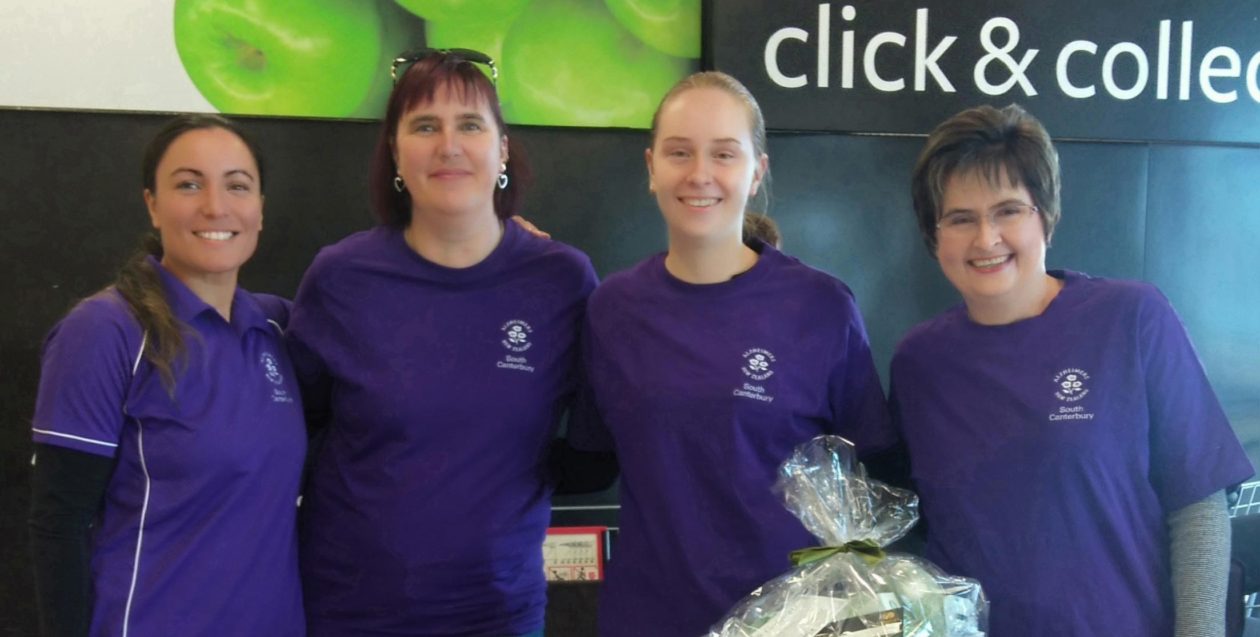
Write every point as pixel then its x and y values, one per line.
pixel 428 502
pixel 1049 452
pixel 705 390
pixel 196 534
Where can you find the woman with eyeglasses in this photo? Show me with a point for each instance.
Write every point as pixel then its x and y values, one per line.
pixel 1063 437
pixel 709 363
pixel 441 347
pixel 168 433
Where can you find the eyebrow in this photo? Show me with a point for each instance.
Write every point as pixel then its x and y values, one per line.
pixel 198 173
pixel 999 204
pixel 723 140
pixel 425 117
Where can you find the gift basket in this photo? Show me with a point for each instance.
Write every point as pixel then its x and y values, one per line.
pixel 848 586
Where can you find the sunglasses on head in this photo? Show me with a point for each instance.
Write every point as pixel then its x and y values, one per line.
pixel 404 60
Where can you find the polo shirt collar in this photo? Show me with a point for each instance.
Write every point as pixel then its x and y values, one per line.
pixel 188 307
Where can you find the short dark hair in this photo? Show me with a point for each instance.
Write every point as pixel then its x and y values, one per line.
pixel 987 141
pixel 184 123
pixel 418 85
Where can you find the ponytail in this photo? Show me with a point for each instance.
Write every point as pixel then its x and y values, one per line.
pixel 140 286
pixel 758 225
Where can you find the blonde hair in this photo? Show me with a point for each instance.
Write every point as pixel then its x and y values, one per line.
pixel 756 121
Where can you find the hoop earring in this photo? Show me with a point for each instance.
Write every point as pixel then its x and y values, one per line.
pixel 398 183
pixel 503 177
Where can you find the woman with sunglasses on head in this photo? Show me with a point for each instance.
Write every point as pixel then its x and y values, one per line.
pixel 442 347
pixel 1068 449
pixel 709 363
pixel 169 438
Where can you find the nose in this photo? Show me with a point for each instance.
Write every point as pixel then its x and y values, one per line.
pixel 213 202
pixel 701 172
pixel 988 233
pixel 448 146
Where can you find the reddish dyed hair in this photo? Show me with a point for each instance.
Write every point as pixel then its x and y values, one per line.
pixel 417 86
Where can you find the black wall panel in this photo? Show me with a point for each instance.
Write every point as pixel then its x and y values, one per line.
pixel 843 203
pixel 1103 227
pixel 1183 217
pixel 1203 251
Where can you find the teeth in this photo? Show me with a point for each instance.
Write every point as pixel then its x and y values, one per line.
pixel 700 203
pixel 215 236
pixel 984 263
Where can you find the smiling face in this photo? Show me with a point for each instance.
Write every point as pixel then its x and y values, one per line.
pixel 703 165
pixel 206 202
pixel 449 153
pixel 998 265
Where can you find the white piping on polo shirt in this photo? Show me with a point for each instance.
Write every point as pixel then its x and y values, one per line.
pixel 144 338
pixel 79 438
pixel 144 508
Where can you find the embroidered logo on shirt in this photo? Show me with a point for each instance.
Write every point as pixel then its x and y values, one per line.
pixel 754 392
pixel 757 363
pixel 272 368
pixel 516 335
pixel 1070 384
pixel 519 363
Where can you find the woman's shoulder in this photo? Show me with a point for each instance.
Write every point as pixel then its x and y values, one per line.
pixel 341 263
pixel 274 308
pixel 104 311
pixel 524 259
pixel 624 284
pixel 1097 296
pixel 354 245
pixel 555 253
pixel 926 337
pixel 815 284
pixel 102 321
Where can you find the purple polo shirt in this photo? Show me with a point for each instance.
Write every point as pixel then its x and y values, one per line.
pixel 1049 452
pixel 705 390
pixel 428 502
pixel 196 534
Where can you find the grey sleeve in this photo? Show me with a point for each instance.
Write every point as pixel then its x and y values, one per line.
pixel 1199 535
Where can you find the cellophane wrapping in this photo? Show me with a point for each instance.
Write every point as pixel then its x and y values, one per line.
pixel 851 593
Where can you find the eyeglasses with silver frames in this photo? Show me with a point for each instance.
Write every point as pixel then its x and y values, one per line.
pixel 1004 216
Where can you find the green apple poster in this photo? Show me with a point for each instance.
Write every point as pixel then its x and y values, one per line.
pixel 596 63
